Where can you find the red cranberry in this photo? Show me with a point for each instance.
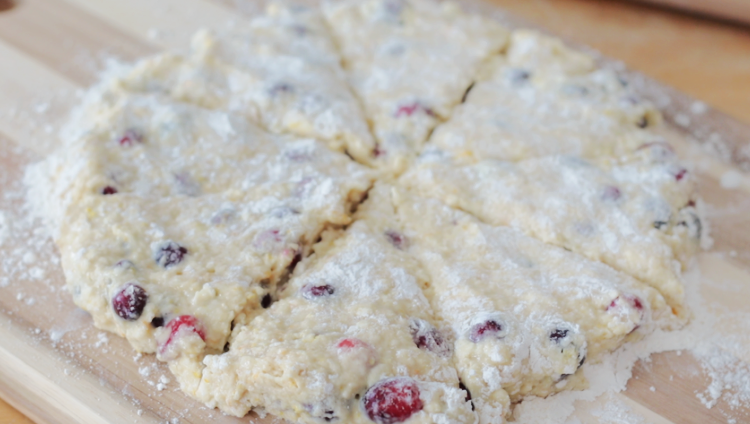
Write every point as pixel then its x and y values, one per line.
pixel 129 302
pixel 411 109
pixel 393 400
pixel 349 344
pixel 428 338
pixel 130 137
pixel 379 151
pixel 311 292
pixel 181 325
pixel 485 329
pixel 109 190
pixel 169 254
pixel 268 239
pixel 397 239
pixel 680 174
pixel 611 194
pixel 627 301
pixel 631 300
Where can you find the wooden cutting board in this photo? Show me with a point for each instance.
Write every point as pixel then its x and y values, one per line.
pixel 56 368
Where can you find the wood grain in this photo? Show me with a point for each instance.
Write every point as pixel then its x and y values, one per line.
pixel 78 379
pixel 732 10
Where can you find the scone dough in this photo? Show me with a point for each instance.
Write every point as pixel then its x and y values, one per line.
pixel 525 315
pixel 410 62
pixel 541 99
pixel 352 318
pixel 178 211
pixel 373 211
pixel 636 217
pixel 281 70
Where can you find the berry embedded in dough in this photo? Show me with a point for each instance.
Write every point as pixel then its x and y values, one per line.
pixel 410 62
pixel 606 212
pixel 542 98
pixel 367 351
pixel 280 70
pixel 525 315
pixel 377 211
pixel 196 227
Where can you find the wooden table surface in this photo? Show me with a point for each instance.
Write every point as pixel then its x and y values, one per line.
pixel 707 59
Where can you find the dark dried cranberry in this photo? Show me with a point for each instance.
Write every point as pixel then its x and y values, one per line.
pixel 468 393
pixel 558 334
pixel 379 151
pixel 181 325
pixel 680 174
pixel 329 415
pixel 109 190
pixel 129 302
pixel 157 322
pixel 411 109
pixel 397 239
pixel 482 330
pixel 611 194
pixel 393 400
pixel 169 254
pixel 427 337
pixel 311 292
pixel 266 301
pixel 130 137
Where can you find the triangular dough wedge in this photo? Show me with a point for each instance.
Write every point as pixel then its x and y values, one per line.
pixel 410 62
pixel 280 69
pixel 352 340
pixel 637 217
pixel 542 98
pixel 525 315
pixel 178 219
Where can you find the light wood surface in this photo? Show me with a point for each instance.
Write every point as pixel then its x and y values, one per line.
pixel 733 10
pixel 49 48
